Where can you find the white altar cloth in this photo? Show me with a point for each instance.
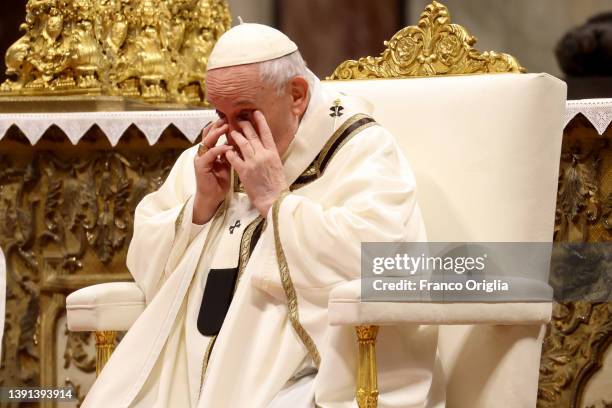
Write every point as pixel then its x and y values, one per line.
pixel 113 124
pixel 597 111
pixel 191 122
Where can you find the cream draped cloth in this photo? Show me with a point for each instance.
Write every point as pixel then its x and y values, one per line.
pixel 275 336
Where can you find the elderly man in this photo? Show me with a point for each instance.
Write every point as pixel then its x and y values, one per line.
pixel 238 250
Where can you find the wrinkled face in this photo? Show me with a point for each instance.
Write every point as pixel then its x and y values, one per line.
pixel 236 92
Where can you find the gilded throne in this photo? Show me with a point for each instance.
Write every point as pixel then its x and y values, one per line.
pixel 433 48
pixel 428 72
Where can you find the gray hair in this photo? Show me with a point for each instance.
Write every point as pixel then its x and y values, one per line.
pixel 279 71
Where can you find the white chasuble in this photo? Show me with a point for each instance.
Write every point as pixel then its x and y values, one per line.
pixel 350 183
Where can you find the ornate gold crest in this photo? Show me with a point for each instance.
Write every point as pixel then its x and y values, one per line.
pixel 434 46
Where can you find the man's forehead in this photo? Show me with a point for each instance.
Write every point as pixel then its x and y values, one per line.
pixel 247 71
pixel 237 102
pixel 235 86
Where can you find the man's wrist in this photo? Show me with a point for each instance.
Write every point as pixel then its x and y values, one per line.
pixel 203 209
pixel 269 203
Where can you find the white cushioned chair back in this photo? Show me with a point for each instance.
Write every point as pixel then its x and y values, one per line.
pixel 485 151
pixel 484 148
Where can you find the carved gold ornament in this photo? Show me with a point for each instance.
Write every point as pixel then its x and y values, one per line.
pixel 580 333
pixel 154 50
pixel 105 344
pixel 66 217
pixel 367 379
pixel 434 46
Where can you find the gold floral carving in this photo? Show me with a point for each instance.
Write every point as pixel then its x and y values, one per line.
pixel 580 332
pixel 434 46
pixel 154 50
pixel 66 216
pixel 584 205
pixel 573 348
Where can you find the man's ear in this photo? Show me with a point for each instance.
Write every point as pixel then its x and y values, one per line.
pixel 299 94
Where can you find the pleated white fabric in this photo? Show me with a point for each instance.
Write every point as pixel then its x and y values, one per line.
pixel 113 124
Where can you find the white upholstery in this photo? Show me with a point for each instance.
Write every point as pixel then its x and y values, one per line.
pixel 107 306
pixel 485 151
pixel 346 309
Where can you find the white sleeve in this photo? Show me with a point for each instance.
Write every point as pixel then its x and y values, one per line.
pixel 195 230
pixel 368 195
pixel 163 227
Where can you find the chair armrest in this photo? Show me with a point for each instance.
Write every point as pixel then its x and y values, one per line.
pixel 107 306
pixel 346 308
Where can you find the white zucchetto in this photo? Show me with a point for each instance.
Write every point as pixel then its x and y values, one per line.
pixel 248 43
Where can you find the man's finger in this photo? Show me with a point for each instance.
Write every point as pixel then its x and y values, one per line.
pixel 235 161
pixel 211 125
pixel 214 134
pixel 243 144
pixel 265 135
pixel 207 160
pixel 249 132
pixel 206 129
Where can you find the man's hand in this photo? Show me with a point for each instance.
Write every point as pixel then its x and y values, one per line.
pixel 260 168
pixel 212 173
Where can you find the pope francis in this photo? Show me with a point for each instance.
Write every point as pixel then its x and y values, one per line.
pixel 238 250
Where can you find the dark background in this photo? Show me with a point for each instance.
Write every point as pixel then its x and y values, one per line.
pixel 12 14
pixel 345 28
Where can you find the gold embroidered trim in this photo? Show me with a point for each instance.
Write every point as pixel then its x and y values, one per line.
pixel 238 186
pixel 292 302
pixel 325 151
pixel 245 246
pixel 179 219
pixel 207 353
pixel 243 259
pixel 340 137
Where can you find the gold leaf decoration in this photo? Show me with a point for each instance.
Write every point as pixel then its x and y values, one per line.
pixel 66 218
pixel 580 332
pixel 434 46
pixel 155 50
